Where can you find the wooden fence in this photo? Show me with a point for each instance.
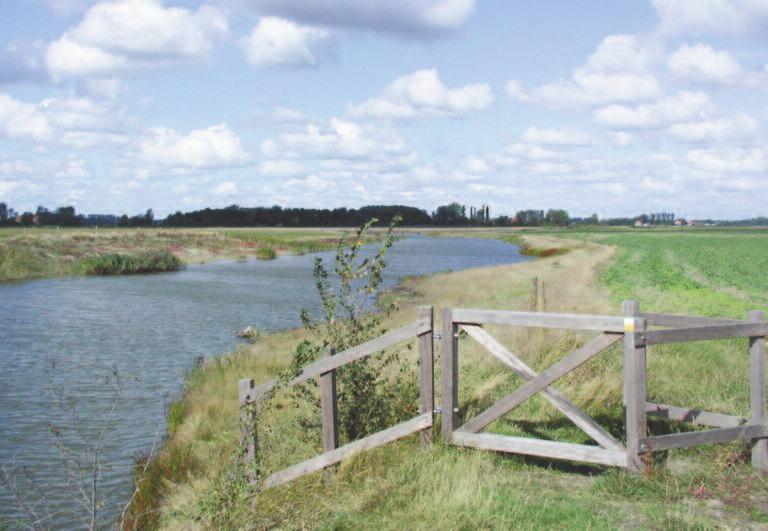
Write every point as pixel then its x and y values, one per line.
pixel 632 329
pixel 325 369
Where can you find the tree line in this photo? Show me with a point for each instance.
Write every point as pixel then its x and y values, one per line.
pixel 453 214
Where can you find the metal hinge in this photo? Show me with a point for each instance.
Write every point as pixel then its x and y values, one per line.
pixel 437 335
pixel 437 410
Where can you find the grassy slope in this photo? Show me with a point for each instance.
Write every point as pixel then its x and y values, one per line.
pixel 48 252
pixel 404 486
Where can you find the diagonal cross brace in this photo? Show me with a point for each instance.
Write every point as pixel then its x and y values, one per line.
pixel 553 396
pixel 573 360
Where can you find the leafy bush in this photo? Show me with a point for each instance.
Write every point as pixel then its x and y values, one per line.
pixel 366 402
pixel 129 264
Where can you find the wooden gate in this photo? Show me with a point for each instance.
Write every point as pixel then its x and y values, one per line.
pixel 632 330
pixel 325 369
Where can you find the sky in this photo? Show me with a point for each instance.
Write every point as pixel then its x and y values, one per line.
pixel 613 108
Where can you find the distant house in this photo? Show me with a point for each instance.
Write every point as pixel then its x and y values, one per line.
pixel 681 222
pixel 639 223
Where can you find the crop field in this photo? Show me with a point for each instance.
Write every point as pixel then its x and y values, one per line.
pixel 717 273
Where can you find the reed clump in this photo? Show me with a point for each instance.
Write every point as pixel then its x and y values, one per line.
pixel 131 264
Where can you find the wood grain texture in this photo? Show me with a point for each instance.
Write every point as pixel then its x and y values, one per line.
pixel 701 333
pixel 426 373
pixel 540 448
pixel 694 416
pixel 696 438
pixel 634 360
pixel 249 441
pixel 397 431
pixel 757 413
pixel 598 323
pixel 449 359
pixel 550 394
pixel 329 413
pixel 531 387
pixel 682 321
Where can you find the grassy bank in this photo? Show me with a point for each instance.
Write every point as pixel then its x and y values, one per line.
pixel 194 482
pixel 48 252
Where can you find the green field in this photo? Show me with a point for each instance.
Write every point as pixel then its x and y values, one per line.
pixel 195 477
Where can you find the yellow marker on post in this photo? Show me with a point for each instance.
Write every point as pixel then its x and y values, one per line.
pixel 629 325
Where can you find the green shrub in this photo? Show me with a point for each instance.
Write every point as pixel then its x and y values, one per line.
pixel 130 264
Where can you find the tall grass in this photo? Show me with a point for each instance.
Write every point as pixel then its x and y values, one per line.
pixel 403 486
pixel 131 264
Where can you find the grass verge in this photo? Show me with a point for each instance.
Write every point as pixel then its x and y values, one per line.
pixel 194 482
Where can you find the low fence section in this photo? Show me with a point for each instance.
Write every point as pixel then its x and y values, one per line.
pixel 324 369
pixel 632 331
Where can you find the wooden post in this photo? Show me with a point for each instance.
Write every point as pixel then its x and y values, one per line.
pixel 249 441
pixel 427 373
pixel 328 409
pixel 534 294
pixel 757 394
pixel 450 375
pixel 543 296
pixel 634 385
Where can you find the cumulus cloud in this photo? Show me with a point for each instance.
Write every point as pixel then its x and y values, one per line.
pixel 722 129
pixel 126 35
pixel 214 147
pixel 683 107
pixel 729 159
pixel 279 42
pixel 618 71
pixel 729 17
pixel 562 136
pixel 422 94
pixel 22 61
pixel 419 19
pixel 76 122
pixel 702 63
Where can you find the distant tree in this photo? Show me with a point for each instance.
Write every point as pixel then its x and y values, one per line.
pixel 452 214
pixel 556 216
pixel 3 212
pixel 529 218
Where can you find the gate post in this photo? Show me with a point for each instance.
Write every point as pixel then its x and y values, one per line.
pixel 757 394
pixel 249 440
pixel 328 408
pixel 427 373
pixel 634 361
pixel 450 374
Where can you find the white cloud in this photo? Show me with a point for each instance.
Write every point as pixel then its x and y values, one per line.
pixel 225 188
pixel 737 127
pixel 515 91
pixel 683 107
pixel 343 139
pixel 407 17
pixel 730 159
pixel 281 168
pixel 422 94
pixel 702 63
pixel 75 168
pixel 621 138
pixel 475 165
pixel 116 36
pixel 731 17
pixel 618 71
pixel 214 147
pixel 279 42
pixel 556 137
pixel 286 115
pixel 21 120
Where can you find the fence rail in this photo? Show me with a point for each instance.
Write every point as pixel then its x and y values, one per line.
pixel 325 370
pixel 630 329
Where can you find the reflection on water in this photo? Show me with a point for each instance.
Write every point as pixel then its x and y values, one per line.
pixel 70 333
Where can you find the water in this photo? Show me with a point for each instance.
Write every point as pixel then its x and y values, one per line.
pixel 64 337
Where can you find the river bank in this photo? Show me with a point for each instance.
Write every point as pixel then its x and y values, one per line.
pixel 43 252
pixel 194 480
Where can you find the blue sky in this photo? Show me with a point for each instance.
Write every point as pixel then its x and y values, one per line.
pixel 615 108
